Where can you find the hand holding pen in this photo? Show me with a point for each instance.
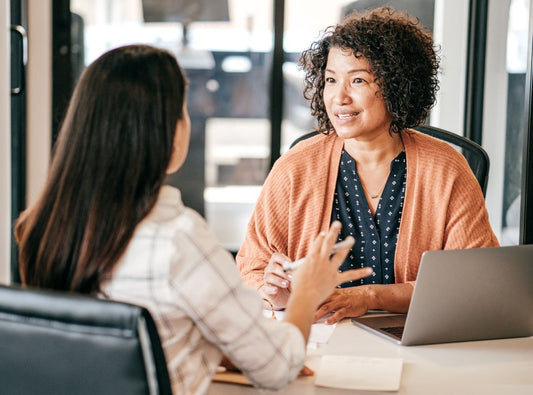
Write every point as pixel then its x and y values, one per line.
pixel 276 282
pixel 277 277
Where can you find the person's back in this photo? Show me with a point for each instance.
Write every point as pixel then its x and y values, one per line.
pixel 175 268
pixel 105 225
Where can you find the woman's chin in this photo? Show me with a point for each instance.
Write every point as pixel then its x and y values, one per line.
pixel 346 133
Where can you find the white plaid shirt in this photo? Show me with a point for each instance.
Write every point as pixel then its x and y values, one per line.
pixel 175 267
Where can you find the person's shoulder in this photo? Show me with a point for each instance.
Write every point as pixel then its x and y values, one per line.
pixel 434 157
pixel 429 145
pixel 314 141
pixel 194 241
pixel 170 216
pixel 308 151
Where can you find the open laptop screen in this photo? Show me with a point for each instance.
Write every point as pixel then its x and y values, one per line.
pixel 464 295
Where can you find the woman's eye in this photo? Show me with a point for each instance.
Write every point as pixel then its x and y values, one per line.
pixel 330 80
pixel 358 80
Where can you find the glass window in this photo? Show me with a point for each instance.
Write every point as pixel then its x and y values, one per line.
pixel 504 120
pixel 516 65
pixel 300 33
pixel 225 48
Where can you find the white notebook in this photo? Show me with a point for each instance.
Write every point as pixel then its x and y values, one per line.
pixel 359 373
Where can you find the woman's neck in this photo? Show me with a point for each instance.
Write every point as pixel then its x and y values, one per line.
pixel 370 154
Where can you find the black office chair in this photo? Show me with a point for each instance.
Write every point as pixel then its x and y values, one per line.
pixel 60 343
pixel 475 155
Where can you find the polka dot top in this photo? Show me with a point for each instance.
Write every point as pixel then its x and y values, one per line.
pixel 375 236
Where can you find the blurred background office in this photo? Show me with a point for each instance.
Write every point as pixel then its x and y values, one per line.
pixel 245 99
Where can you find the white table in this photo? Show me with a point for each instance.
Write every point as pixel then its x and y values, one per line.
pixel 490 367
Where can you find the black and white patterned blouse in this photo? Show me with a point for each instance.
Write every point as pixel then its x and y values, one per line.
pixel 375 236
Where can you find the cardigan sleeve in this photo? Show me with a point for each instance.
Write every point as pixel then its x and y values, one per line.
pixel 467 219
pixel 267 229
pixel 293 207
pixel 444 207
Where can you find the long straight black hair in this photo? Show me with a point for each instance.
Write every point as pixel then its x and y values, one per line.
pixel 108 166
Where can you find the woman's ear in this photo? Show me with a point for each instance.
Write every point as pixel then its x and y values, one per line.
pixel 180 146
pixel 175 160
pixel 172 163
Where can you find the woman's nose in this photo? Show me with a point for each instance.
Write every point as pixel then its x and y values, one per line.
pixel 341 95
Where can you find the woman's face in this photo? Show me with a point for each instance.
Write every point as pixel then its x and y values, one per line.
pixel 353 103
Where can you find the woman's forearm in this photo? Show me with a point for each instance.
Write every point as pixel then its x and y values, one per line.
pixel 300 314
pixel 390 297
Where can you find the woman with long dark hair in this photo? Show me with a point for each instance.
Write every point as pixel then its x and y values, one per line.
pixel 105 225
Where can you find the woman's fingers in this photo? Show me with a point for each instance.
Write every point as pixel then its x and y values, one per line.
pixel 331 238
pixel 354 274
pixel 277 284
pixel 270 290
pixel 276 281
pixel 336 317
pixel 322 311
pixel 323 246
pixel 340 255
pixel 274 274
pixel 306 372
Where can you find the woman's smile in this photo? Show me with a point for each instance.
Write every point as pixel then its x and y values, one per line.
pixel 344 116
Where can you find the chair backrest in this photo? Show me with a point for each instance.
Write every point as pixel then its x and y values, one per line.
pixel 475 155
pixel 63 343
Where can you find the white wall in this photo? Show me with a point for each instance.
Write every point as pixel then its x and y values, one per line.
pixel 5 146
pixel 451 33
pixel 449 111
pixel 39 95
pixel 494 108
pixel 39 106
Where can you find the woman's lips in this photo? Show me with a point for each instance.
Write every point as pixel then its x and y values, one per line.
pixel 344 116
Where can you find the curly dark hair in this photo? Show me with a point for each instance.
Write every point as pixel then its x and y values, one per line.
pixel 401 54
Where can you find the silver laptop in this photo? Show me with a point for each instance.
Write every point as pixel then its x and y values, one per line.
pixel 464 295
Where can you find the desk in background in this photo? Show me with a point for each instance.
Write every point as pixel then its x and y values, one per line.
pixel 490 367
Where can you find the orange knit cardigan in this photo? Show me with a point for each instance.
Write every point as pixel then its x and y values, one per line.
pixel 443 208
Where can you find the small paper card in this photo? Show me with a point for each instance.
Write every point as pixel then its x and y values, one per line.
pixel 359 373
pixel 320 333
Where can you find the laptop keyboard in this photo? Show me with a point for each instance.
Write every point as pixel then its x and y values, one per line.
pixel 394 330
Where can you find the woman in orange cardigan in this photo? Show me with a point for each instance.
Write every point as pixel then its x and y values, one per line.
pixel 396 191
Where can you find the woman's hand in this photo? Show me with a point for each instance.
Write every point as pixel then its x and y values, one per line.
pixel 313 281
pixel 228 365
pixel 276 283
pixel 344 302
pixel 356 301
pixel 305 372
pixel 317 277
pixel 319 274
